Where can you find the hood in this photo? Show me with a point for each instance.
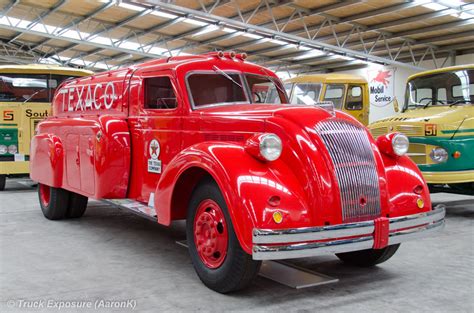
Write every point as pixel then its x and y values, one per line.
pixel 252 117
pixel 416 122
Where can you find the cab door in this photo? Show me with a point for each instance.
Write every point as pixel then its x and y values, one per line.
pixel 356 103
pixel 155 124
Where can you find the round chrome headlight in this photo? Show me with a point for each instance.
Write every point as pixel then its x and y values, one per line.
pixel 400 144
pixel 439 155
pixel 3 149
pixel 270 147
pixel 12 149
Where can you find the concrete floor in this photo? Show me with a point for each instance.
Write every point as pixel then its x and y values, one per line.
pixel 114 255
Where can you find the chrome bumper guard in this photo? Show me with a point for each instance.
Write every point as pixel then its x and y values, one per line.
pixel 312 241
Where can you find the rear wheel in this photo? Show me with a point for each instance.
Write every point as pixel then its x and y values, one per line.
pixel 219 260
pixel 53 201
pixel 369 257
pixel 77 205
pixel 3 179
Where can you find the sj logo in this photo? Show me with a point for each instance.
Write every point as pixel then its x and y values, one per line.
pixel 8 115
pixel 430 130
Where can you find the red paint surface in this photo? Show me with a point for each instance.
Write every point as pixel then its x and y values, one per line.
pixel 381 232
pixel 103 153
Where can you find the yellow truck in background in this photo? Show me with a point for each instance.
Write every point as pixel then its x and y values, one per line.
pixel 348 93
pixel 438 118
pixel 26 92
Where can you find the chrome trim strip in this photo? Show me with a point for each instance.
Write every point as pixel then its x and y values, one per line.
pixel 415 233
pixel 294 242
pixel 311 249
pixel 312 233
pixel 418 219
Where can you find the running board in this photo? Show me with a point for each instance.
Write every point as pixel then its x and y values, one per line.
pixel 135 207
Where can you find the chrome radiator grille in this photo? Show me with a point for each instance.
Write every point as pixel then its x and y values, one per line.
pixel 351 154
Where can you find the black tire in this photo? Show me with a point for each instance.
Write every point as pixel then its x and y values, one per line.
pixel 3 179
pixel 77 205
pixel 56 206
pixel 238 268
pixel 369 257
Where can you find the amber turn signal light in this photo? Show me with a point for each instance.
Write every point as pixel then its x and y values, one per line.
pixel 277 217
pixel 456 154
pixel 420 203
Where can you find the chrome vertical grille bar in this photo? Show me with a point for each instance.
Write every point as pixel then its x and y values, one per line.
pixel 351 154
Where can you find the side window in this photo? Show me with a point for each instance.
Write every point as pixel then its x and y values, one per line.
pixel 354 100
pixel 335 93
pixel 159 93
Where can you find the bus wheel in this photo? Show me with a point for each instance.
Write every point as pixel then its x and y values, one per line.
pixel 53 201
pixel 219 260
pixel 3 179
pixel 77 205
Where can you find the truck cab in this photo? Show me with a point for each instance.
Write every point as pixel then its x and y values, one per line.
pixel 192 138
pixel 349 93
pixel 438 118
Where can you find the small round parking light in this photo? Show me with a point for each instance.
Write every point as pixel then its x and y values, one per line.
pixel 420 203
pixel 277 217
pixel 456 154
pixel 400 144
pixel 439 155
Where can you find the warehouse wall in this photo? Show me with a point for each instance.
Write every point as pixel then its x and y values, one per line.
pixel 401 75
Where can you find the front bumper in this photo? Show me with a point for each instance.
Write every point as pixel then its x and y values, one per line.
pixel 312 241
pixel 12 167
pixel 454 177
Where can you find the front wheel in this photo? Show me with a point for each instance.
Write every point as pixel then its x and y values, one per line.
pixel 3 180
pixel 369 257
pixel 219 260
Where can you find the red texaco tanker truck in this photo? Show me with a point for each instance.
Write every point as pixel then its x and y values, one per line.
pixel 188 138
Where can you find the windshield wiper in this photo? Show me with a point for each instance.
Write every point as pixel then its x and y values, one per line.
pixel 273 80
pixel 218 70
pixel 34 94
pixel 459 101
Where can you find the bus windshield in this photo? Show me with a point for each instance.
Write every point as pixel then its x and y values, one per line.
pixel 29 87
pixel 442 89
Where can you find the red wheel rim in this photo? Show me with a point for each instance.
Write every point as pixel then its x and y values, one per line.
pixel 45 194
pixel 210 233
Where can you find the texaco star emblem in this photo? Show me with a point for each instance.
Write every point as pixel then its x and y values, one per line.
pixel 154 149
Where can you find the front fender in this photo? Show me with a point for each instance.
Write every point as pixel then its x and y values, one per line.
pixel 47 159
pixel 246 184
pixel 402 177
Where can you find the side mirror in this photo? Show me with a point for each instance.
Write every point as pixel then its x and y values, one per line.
pixel 395 105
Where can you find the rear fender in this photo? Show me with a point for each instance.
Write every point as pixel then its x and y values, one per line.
pixel 47 160
pixel 245 182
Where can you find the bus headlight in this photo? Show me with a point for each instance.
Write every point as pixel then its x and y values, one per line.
pixel 439 155
pixel 12 149
pixel 3 149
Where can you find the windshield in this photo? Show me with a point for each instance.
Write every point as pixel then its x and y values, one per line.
pixel 224 87
pixel 29 87
pixel 451 88
pixel 305 93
